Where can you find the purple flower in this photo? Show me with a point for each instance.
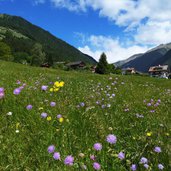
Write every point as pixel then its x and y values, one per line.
pixel 56 156
pixel 44 87
pixel 51 149
pixel 2 94
pixel 133 167
pixel 52 104
pixel 17 91
pixel 82 104
pixel 146 166
pixel 111 139
pixel 43 115
pixel 96 166
pixel 1 89
pixel 18 82
pixel 113 95
pixel 29 107
pixel 69 160
pixel 160 166
pixel 157 149
pixel 121 155
pixel 97 146
pixel 59 116
pixel 143 160
pixel 148 104
pixel 92 157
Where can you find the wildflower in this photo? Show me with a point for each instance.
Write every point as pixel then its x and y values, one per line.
pixel 96 166
pixel 121 155
pixel 82 104
pixel 2 94
pixel 97 146
pixel 51 149
pixel 51 89
pixel 52 104
pixel 59 116
pixel 44 87
pixel 81 155
pixel 17 131
pixel 43 115
pixel 17 91
pixel 146 166
pixel 92 157
pixel 133 167
pixel 29 107
pixel 111 139
pixel 9 113
pixel 149 134
pixel 143 160
pixel 149 104
pixel 49 118
pixel 61 84
pixel 56 89
pixel 84 167
pixel 40 108
pixel 56 156
pixel 69 160
pixel 160 166
pixel 157 149
pixel 61 120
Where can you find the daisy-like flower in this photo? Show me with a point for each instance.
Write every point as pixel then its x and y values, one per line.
pixel 133 167
pixel 29 107
pixel 160 166
pixel 56 156
pixel 97 146
pixel 96 166
pixel 52 104
pixel 111 139
pixel 51 149
pixel 69 160
pixel 121 155
pixel 157 149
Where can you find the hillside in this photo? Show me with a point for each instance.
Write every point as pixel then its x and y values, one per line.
pixel 153 57
pixel 71 121
pixel 21 36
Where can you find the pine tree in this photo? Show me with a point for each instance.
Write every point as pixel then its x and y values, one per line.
pixel 102 66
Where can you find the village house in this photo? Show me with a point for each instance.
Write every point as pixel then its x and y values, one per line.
pixel 161 71
pixel 76 65
pixel 128 71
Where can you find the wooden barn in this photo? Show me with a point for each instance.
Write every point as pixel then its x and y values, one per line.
pixel 76 65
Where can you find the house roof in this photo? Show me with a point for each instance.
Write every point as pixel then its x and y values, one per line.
pixel 158 68
pixel 75 63
pixel 128 69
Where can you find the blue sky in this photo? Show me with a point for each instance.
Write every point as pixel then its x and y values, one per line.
pixel 119 28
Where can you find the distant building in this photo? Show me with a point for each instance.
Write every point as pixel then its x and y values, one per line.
pixel 45 65
pixel 161 71
pixel 76 65
pixel 128 71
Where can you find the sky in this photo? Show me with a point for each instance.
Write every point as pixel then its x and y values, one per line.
pixel 120 28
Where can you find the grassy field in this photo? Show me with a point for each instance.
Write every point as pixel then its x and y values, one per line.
pixel 89 107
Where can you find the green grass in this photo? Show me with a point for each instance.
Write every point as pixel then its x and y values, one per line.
pixel 82 126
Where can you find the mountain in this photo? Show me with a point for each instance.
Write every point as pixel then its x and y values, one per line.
pixel 22 35
pixel 141 62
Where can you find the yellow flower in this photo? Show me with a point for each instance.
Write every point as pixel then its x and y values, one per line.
pixel 17 125
pixel 167 134
pixel 149 134
pixel 61 120
pixel 49 118
pixel 51 89
pixel 56 84
pixel 40 108
pixel 61 84
pixel 56 89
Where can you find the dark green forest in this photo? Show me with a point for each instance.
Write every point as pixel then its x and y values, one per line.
pixel 23 42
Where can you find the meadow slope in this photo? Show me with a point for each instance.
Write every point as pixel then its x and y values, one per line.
pixel 136 111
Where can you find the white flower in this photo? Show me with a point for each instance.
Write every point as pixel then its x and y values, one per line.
pixel 17 131
pixel 9 113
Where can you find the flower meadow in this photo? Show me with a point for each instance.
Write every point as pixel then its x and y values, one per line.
pixel 69 121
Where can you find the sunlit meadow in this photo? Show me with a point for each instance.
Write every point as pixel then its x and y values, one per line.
pixel 69 121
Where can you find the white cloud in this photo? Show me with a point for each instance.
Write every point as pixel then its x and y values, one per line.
pixel 130 13
pixel 112 47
